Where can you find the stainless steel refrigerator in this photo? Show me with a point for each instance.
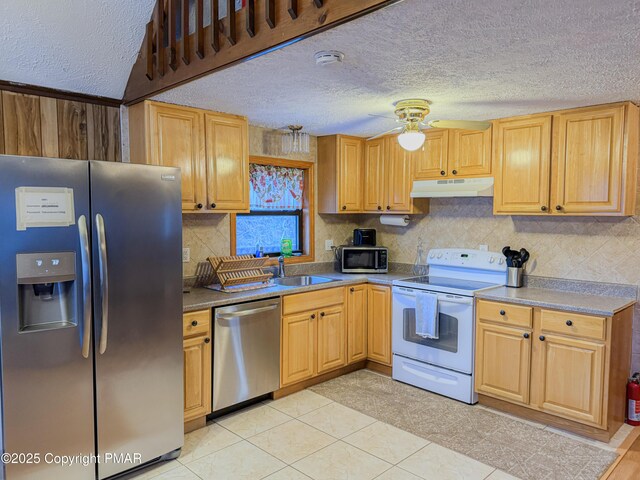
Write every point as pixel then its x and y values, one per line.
pixel 90 316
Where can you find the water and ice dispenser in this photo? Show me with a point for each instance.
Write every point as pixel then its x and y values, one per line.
pixel 46 290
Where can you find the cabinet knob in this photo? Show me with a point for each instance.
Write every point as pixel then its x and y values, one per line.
pixel 352 289
pixel 194 323
pixel 541 337
pixel 525 335
pixel 322 314
pixel 199 206
pixel 569 323
pixel 455 172
pixel 558 207
pixel 543 208
pixel 379 207
pixel 442 172
pixel 502 312
pixel 213 205
pixel 344 207
pixel 313 315
pixel 388 207
pixel 207 340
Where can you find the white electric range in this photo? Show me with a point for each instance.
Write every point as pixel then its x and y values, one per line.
pixel 444 365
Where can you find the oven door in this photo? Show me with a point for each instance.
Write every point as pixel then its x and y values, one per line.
pixel 455 346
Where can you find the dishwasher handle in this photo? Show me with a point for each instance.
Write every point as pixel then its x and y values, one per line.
pixel 246 313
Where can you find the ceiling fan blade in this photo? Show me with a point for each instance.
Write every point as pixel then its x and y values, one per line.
pixel 397 129
pixel 383 116
pixel 461 124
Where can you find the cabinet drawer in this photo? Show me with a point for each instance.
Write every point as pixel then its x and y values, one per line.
pixel 196 323
pixel 505 313
pixel 304 302
pixel 573 324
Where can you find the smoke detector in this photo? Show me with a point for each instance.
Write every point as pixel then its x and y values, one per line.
pixel 328 57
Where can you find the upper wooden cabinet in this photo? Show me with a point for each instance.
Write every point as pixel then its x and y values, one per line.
pixel 452 153
pixel 211 149
pixel 574 162
pixel 592 168
pixel 388 175
pixel 227 162
pixel 340 166
pixel 522 157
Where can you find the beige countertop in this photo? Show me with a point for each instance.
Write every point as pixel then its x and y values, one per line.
pixel 559 300
pixel 203 298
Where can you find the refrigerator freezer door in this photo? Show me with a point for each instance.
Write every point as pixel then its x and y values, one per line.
pixel 47 383
pixel 137 240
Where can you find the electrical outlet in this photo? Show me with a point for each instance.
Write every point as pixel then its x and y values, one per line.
pixel 328 244
pixel 186 255
pixel 484 248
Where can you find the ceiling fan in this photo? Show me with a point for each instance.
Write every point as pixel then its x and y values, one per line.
pixel 411 114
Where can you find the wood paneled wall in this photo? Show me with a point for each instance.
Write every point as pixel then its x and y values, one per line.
pixel 48 127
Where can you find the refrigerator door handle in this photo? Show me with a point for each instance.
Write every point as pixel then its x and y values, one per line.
pixel 86 284
pixel 104 282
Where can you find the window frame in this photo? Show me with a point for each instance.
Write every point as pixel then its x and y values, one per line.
pixel 307 212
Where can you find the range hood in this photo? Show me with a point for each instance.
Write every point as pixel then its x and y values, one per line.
pixel 455 187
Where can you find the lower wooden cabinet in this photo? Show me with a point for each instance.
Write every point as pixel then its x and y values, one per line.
pixel 567 369
pixel 504 362
pixel 314 340
pixel 379 324
pixel 197 364
pixel 356 323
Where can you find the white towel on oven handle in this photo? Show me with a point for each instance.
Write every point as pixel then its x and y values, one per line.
pixel 427 317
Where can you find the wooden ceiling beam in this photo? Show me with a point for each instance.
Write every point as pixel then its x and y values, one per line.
pixel 206 57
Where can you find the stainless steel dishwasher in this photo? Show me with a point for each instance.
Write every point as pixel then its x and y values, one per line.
pixel 246 352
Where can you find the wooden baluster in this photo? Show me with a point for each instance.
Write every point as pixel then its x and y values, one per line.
pixel 318 3
pixel 293 8
pixel 200 28
pixel 215 26
pixel 160 38
pixel 149 50
pixel 231 15
pixel 186 54
pixel 173 33
pixel 270 12
pixel 251 17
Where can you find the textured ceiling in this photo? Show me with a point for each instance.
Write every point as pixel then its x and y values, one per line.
pixel 85 46
pixel 473 60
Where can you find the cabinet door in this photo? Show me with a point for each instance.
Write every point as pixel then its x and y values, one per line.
pixel 469 153
pixel 588 161
pixel 176 140
pixel 356 323
pixel 431 160
pixel 350 174
pixel 572 378
pixel 197 377
pixel 503 362
pixel 298 347
pixel 331 339
pixel 374 177
pixel 227 163
pixel 399 178
pixel 522 164
pixel 379 324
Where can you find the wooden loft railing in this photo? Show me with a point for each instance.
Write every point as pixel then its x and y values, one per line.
pixel 169 57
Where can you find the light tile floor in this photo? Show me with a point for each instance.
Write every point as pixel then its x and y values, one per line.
pixel 306 435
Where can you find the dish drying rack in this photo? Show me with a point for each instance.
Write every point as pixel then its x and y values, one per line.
pixel 238 273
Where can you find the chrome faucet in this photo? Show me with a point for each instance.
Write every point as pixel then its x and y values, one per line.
pixel 281 266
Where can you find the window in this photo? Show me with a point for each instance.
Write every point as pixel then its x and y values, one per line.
pixel 281 206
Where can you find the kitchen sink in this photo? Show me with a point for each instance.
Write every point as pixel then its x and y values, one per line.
pixel 301 280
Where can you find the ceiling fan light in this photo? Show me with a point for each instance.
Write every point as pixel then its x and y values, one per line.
pixel 411 140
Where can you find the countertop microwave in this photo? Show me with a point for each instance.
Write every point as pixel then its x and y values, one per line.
pixel 363 259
